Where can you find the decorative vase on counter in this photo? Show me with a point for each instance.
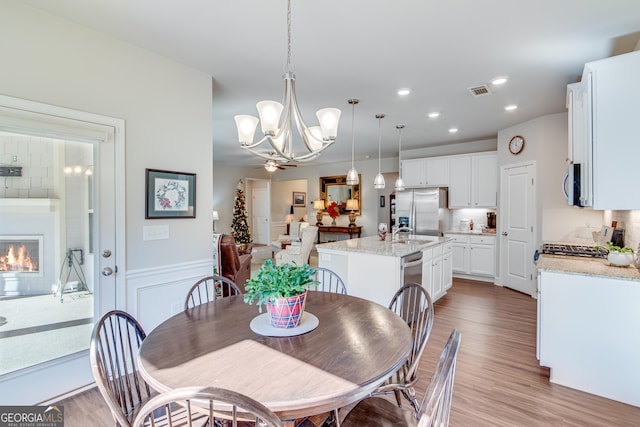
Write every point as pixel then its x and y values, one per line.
pixel 382 231
pixel 620 259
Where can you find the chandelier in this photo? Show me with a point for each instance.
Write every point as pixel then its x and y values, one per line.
pixel 278 128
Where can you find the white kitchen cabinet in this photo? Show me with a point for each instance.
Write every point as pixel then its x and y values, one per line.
pixel 436 270
pixel 437 171
pixel 371 268
pixel 473 181
pixel 603 131
pixel 460 182
pixel 447 265
pixel 427 278
pixel 482 258
pixel 484 180
pixel 587 333
pixel 473 256
pixel 426 172
pixel 414 173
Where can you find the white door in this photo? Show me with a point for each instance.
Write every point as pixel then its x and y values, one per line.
pixel 515 227
pixel 70 197
pixel 260 221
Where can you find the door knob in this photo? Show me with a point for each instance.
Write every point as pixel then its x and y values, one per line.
pixel 504 233
pixel 107 271
pixel 106 253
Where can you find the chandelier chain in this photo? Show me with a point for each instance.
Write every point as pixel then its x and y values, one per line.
pixel 289 36
pixel 353 132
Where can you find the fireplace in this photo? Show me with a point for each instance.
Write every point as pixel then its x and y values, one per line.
pixel 21 254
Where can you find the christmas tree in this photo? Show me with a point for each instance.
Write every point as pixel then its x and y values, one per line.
pixel 239 225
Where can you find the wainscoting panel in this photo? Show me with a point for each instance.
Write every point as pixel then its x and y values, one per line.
pixel 155 294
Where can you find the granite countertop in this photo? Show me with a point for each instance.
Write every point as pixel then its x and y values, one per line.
pixel 405 245
pixel 586 266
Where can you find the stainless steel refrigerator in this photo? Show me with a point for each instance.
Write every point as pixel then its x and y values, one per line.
pixel 422 210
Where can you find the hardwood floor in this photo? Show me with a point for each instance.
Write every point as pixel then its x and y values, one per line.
pixel 498 380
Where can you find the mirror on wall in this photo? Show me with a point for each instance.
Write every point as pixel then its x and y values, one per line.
pixel 335 188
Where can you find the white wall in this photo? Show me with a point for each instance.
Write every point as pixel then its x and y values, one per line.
pixel 166 106
pixel 546 143
pixel 225 181
pixel 167 110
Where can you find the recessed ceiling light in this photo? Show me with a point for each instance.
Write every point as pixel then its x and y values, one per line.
pixel 434 115
pixel 453 130
pixel 404 91
pixel 511 107
pixel 499 81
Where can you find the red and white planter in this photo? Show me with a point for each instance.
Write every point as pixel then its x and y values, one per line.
pixel 286 312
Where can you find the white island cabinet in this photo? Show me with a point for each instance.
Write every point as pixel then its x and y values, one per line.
pixel 589 326
pixel 371 268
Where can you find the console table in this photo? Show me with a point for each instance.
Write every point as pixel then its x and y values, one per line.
pixel 351 231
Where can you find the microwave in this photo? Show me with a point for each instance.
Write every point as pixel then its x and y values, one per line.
pixel 572 185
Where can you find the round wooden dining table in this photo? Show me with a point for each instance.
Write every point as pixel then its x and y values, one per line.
pixel 356 345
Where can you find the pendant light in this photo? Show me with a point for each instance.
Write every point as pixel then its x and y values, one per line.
pixel 399 182
pixel 352 175
pixel 378 182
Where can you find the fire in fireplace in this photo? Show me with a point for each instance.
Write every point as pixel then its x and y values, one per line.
pixel 20 254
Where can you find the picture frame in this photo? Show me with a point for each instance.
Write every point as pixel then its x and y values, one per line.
pixel 169 194
pixel 382 201
pixel 299 199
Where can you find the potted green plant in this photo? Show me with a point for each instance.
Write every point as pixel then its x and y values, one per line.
pixel 283 289
pixel 617 256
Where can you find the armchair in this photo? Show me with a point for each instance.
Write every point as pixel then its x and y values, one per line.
pixel 234 266
pixel 298 252
pixel 295 233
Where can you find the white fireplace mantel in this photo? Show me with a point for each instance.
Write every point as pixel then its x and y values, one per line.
pixel 28 205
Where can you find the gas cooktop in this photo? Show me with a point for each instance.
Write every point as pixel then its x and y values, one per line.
pixel 573 250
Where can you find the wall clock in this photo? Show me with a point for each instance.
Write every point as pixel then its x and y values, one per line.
pixel 516 144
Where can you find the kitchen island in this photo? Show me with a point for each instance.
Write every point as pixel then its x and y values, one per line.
pixel 372 268
pixel 589 324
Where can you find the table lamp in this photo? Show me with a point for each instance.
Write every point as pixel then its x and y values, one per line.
pixel 319 206
pixel 216 217
pixel 352 206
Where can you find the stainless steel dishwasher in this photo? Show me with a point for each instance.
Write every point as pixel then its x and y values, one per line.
pixel 412 268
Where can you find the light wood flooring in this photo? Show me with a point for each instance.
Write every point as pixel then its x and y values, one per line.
pixel 498 380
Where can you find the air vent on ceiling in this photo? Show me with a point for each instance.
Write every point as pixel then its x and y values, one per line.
pixel 480 90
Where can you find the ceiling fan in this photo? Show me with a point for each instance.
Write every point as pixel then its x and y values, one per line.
pixel 272 166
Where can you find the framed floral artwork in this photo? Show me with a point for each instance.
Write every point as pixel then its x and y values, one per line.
pixel 170 194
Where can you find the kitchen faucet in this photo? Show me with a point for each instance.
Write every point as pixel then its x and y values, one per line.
pixel 394 233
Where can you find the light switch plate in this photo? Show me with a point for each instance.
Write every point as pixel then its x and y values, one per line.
pixel 155 232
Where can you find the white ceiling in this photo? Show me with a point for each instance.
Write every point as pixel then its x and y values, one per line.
pixel 367 49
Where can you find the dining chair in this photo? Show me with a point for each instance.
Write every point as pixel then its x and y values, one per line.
pixel 433 410
pixel 115 341
pixel 212 406
pixel 208 289
pixel 413 304
pixel 329 281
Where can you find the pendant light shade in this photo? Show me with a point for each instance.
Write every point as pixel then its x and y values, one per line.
pixel 352 175
pixel 378 182
pixel 399 182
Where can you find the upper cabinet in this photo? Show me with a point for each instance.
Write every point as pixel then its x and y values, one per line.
pixel 426 172
pixel 604 129
pixel 473 181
